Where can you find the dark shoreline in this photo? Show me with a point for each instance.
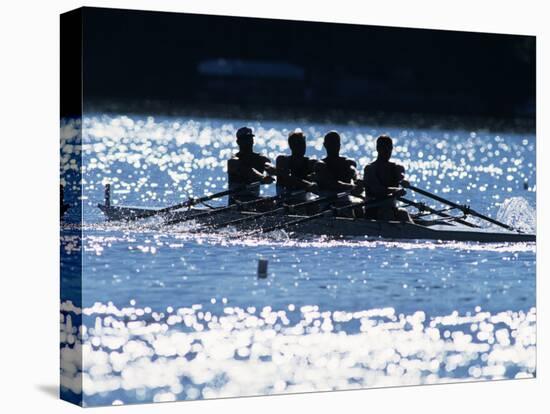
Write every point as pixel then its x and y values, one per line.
pixel 329 116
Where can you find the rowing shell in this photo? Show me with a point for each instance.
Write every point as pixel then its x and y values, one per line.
pixel 340 226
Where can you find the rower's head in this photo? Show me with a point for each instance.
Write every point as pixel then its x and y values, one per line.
pixel 297 143
pixel 245 139
pixel 384 147
pixel 331 143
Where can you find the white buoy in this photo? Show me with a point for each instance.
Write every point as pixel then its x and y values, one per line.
pixel 262 268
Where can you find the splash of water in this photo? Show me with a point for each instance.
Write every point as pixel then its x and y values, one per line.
pixel 517 212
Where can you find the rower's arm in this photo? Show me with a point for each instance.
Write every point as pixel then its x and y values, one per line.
pixel 287 180
pixel 236 169
pixel 401 176
pixel 270 169
pixel 326 180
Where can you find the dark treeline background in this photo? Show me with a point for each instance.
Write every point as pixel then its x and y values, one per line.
pixel 187 61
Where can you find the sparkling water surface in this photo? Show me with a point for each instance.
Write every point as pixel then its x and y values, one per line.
pixel 173 315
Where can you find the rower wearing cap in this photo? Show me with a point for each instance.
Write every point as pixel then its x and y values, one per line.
pixel 383 179
pixel 295 172
pixel 336 174
pixel 247 167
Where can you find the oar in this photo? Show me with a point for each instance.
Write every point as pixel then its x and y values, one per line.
pixel 238 205
pixel 422 206
pixel 464 209
pixel 282 209
pixel 194 201
pixel 324 213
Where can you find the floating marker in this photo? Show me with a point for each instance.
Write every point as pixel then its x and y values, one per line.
pixel 262 268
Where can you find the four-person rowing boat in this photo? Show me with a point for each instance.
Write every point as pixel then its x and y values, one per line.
pixel 324 197
pixel 325 222
pixel 337 226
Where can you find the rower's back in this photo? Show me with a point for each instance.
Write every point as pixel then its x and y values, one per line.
pixel 382 179
pixel 381 175
pixel 240 169
pixel 335 173
pixel 245 167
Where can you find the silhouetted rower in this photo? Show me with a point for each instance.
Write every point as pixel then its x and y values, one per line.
pixel 382 179
pixel 335 174
pixel 295 172
pixel 247 167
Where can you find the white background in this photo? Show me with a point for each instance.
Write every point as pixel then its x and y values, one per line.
pixel 29 286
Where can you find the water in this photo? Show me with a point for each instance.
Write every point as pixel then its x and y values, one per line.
pixel 172 315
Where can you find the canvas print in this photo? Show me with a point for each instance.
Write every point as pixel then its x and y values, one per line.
pixel 259 206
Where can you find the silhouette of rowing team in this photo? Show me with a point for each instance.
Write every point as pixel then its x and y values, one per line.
pixel 300 179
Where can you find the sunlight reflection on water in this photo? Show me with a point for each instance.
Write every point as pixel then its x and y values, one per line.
pixel 332 314
pixel 136 354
